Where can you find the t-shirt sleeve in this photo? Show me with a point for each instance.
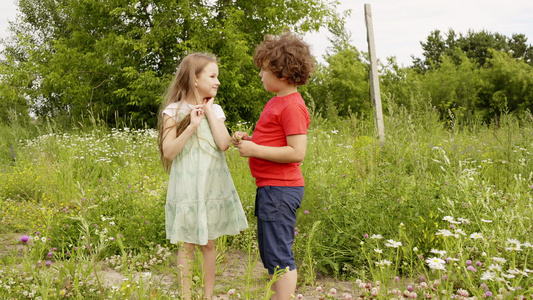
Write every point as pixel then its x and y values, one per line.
pixel 171 110
pixel 295 119
pixel 219 113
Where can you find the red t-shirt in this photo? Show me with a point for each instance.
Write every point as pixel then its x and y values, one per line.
pixel 281 117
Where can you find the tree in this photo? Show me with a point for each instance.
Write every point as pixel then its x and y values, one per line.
pixel 476 45
pixel 341 86
pixel 114 58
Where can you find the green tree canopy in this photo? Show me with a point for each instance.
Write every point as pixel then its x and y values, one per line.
pixel 114 58
pixel 476 46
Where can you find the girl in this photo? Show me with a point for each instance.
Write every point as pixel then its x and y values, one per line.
pixel 202 203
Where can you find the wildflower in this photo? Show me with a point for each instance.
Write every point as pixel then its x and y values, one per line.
pixel 365 236
pixel 468 262
pixel 462 293
pixel 478 263
pixel 515 247
pixel 347 296
pixel 393 244
pixel 318 289
pixel 448 218
pixel 300 296
pixel 488 275
pixel 333 291
pixel 436 263
pixel 306 212
pixel 423 285
pixel 374 292
pixel 24 239
pixel 499 260
pixel 444 232
pixel 471 268
pixel 376 237
pixel 410 288
pixel 396 278
pixel 378 251
pixel 486 221
pixel 382 263
pixel 464 221
pixel 50 254
pixel 43 239
pixel 495 267
pixel 487 294
pixel 231 292
pixel 439 252
pixel 48 263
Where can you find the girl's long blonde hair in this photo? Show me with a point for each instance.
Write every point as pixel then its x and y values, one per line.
pixel 181 88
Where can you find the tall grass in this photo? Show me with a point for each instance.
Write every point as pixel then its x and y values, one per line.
pixel 437 201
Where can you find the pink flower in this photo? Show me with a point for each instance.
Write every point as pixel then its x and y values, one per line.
pixel 24 239
pixel 318 289
pixel 306 212
pixel 333 291
pixel 231 292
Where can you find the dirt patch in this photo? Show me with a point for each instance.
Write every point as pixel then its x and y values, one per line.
pixel 235 270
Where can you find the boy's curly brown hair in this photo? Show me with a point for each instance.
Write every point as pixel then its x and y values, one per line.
pixel 287 56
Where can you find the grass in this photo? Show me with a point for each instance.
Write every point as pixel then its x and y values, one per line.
pixel 437 210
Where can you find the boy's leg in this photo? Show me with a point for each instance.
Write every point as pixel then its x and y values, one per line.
pixel 209 267
pixel 285 287
pixel 276 211
pixel 185 259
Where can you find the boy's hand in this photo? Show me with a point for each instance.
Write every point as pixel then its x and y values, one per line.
pixel 246 148
pixel 238 137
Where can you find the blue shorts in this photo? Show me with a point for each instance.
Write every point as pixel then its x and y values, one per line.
pixel 275 209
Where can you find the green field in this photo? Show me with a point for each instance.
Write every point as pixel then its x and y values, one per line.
pixel 437 209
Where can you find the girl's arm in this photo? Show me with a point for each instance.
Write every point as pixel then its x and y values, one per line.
pixel 173 144
pixel 294 152
pixel 218 128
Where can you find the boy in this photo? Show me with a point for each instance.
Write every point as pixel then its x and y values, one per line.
pixel 275 151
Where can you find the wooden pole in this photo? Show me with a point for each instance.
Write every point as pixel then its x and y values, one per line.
pixel 374 76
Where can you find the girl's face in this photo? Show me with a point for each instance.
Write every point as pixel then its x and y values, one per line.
pixel 207 81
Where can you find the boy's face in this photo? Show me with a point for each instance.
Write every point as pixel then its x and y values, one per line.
pixel 270 81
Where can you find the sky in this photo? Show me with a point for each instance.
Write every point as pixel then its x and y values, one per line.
pixel 400 26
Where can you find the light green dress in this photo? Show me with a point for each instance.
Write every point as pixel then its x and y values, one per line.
pixel 202 202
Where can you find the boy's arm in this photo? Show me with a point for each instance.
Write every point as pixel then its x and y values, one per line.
pixel 294 152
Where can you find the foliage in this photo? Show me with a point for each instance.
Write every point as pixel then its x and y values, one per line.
pixel 476 45
pixel 341 85
pixel 114 59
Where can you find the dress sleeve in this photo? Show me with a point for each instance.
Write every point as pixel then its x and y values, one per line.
pixel 171 110
pixel 219 113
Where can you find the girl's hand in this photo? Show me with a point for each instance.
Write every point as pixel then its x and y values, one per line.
pixel 239 136
pixel 197 113
pixel 207 104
